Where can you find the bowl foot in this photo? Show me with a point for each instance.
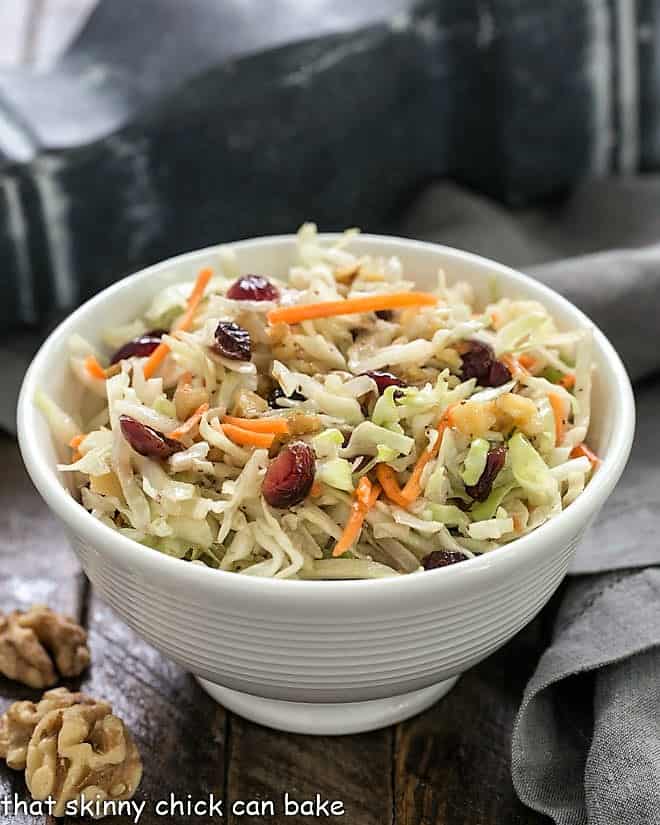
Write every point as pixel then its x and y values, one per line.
pixel 327 719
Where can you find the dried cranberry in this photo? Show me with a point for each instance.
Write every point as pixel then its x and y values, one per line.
pixel 147 441
pixel 494 463
pixel 478 358
pixel 278 393
pixel 441 558
pixel 384 380
pixel 142 346
pixel 232 341
pixel 290 476
pixel 479 362
pixel 253 288
pixel 499 374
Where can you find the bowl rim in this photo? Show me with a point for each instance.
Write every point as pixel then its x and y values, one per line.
pixel 132 553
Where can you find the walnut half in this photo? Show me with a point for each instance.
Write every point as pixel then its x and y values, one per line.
pixel 18 722
pixel 32 644
pixel 82 751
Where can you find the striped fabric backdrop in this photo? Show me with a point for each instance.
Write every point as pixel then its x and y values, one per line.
pixel 518 99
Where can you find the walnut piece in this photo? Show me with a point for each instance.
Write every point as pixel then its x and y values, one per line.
pixel 476 418
pixel 82 751
pixel 29 640
pixel 188 398
pixel 18 722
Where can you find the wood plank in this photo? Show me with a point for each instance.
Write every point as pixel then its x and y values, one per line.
pixel 179 730
pixel 264 764
pixel 452 763
pixel 36 566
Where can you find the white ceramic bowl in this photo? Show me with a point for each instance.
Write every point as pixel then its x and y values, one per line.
pixel 324 657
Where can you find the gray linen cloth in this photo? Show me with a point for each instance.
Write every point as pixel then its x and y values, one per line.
pixel 586 744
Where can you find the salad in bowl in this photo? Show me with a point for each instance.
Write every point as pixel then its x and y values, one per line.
pixel 337 424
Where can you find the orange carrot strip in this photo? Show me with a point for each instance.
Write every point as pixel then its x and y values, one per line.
pixel 514 366
pixel 184 323
pixel 527 361
pixel 349 306
pixel 194 300
pixel 77 440
pixel 557 404
pixel 94 368
pixel 189 424
pixel 583 450
pixel 77 455
pixel 387 479
pixel 316 490
pixel 496 319
pixel 247 438
pixel 278 426
pixel 156 359
pixel 364 499
pixel 413 488
pixel 568 380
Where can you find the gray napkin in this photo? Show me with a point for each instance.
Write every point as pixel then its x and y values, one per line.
pixel 586 743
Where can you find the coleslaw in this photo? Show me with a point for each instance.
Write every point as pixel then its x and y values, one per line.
pixel 340 424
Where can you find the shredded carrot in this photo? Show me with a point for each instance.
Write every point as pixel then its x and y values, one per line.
pixel 194 300
pixel 496 319
pixel 413 488
pixel 77 455
pixel 387 478
pixel 155 359
pixel 316 490
pixel 557 404
pixel 247 438
pixel 189 424
pixel 278 426
pixel 77 440
pixel 568 381
pixel 527 361
pixel 94 368
pixel 350 306
pixel 184 323
pixel 517 522
pixel 364 499
pixel 583 450
pixel 514 366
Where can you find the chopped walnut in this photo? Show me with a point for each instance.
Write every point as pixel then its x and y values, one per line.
pixel 29 640
pixel 188 398
pixel 18 722
pixel 476 418
pixel 106 485
pixel 277 333
pixel 82 751
pixel 248 404
pixel 520 411
pixel 303 423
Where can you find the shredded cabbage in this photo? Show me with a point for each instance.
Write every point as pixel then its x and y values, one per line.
pixel 337 473
pixel 475 461
pixel 367 437
pixel 531 472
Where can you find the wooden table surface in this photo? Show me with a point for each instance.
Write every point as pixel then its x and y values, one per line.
pixel 449 765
